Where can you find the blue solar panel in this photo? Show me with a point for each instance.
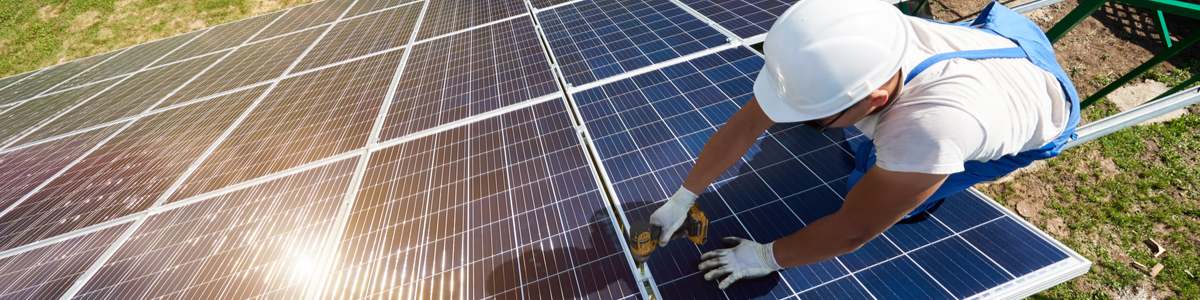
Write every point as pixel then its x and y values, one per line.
pixel 592 40
pixel 648 130
pixel 745 18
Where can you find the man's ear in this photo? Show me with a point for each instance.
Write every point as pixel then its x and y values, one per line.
pixel 878 98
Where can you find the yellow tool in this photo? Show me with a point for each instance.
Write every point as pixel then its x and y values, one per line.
pixel 643 237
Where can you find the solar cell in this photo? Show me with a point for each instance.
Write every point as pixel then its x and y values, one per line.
pixel 130 60
pixel 592 40
pixel 363 7
pixel 648 130
pixel 746 19
pixel 363 35
pixel 469 73
pixel 305 118
pixel 223 36
pixel 247 65
pixel 41 81
pixel 134 95
pixel 507 206
pixel 10 80
pixel 21 170
pixel 304 17
pixel 29 114
pixel 271 240
pixel 45 272
pixel 126 174
pixel 446 16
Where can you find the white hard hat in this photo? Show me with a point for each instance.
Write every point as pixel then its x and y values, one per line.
pixel 822 56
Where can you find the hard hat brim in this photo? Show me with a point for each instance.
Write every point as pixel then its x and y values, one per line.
pixel 766 91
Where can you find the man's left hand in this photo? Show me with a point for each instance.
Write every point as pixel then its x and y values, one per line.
pixel 747 259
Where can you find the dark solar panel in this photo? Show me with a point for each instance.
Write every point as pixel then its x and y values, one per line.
pixel 363 7
pixel 43 80
pixel 126 174
pixel 221 37
pixel 130 97
pixel 10 80
pixel 744 18
pixel 305 118
pixel 22 170
pixel 306 16
pixel 44 273
pixel 447 16
pixel 504 207
pixel 466 74
pixel 540 4
pixel 130 60
pixel 271 240
pixel 30 114
pixel 363 35
pixel 248 65
pixel 649 129
pixel 592 40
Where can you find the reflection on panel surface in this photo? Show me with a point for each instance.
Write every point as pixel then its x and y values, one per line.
pixel 130 97
pixel 361 36
pixel 246 66
pixel 23 169
pixel 44 273
pixel 504 207
pixel 303 119
pixel 466 74
pixel 221 37
pixel 593 39
pixel 446 16
pixel 30 114
pixel 126 174
pixel 271 240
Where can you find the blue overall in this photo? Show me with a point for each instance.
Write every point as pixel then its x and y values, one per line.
pixel 1032 45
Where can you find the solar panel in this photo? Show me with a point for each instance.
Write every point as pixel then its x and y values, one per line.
pixel 22 170
pixel 221 37
pixel 29 114
pixel 130 60
pixel 125 175
pixel 270 240
pixel 746 19
pixel 305 17
pixel 592 40
pixel 541 4
pixel 363 7
pixel 363 35
pixel 648 130
pixel 43 80
pixel 304 119
pixel 447 16
pixel 134 95
pixel 247 65
pixel 10 80
pixel 45 272
pixel 466 74
pixel 507 206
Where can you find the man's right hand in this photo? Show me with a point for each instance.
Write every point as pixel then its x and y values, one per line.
pixel 670 216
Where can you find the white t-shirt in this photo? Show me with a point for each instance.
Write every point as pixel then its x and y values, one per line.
pixel 961 110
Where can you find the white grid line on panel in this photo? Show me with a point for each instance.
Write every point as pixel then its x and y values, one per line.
pixel 711 23
pixel 468 29
pixel 110 57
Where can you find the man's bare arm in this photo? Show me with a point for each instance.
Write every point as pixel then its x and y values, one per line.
pixel 876 202
pixel 727 145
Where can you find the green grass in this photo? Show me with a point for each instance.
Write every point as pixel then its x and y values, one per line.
pixel 38 33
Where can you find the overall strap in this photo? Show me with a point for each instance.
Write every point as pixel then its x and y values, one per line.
pixel 1014 52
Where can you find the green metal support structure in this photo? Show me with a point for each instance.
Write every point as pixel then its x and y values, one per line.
pixel 1174 7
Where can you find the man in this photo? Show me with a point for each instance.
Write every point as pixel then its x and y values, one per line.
pixel 945 107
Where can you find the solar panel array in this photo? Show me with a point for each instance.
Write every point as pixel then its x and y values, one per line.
pixel 442 149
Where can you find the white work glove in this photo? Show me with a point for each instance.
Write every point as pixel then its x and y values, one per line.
pixel 748 259
pixel 670 216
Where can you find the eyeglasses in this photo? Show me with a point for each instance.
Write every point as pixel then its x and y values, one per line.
pixel 821 126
